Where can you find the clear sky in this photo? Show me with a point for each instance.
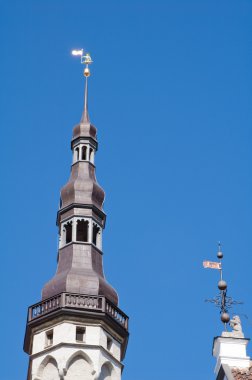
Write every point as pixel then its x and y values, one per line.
pixel 171 95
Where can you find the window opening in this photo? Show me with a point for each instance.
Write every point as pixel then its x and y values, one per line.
pixel 96 230
pixel 49 338
pixel 82 230
pixel 109 343
pixel 84 153
pixel 90 154
pixel 77 153
pixel 80 333
pixel 68 229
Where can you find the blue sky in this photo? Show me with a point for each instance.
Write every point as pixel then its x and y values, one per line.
pixel 171 95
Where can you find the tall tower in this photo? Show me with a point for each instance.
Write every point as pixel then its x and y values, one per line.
pixel 77 331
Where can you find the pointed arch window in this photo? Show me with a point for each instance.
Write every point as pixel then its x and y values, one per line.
pixel 91 155
pixel 96 231
pixel 84 153
pixel 82 230
pixel 68 232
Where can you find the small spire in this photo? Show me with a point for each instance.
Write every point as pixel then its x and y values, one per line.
pixel 85 115
pixel 85 60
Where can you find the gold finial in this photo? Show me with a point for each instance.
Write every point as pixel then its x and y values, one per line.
pixel 86 59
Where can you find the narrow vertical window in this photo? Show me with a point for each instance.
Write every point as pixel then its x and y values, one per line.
pixel 96 230
pixel 82 230
pixel 109 343
pixel 77 154
pixel 84 153
pixel 80 334
pixel 68 229
pixel 49 338
pixel 91 155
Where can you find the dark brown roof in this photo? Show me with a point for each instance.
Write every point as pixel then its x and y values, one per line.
pixel 84 130
pixel 242 373
pixel 82 187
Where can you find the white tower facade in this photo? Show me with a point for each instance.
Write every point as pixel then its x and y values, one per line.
pixel 77 331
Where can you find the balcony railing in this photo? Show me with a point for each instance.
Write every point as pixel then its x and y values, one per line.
pixel 78 301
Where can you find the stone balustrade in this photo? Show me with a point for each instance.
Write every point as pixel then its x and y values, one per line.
pixel 78 301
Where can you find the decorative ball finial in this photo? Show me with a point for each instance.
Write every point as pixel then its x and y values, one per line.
pixel 219 253
pixel 222 285
pixel 222 300
pixel 225 318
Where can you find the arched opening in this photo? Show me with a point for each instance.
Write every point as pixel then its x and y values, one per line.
pixel 91 153
pixel 68 232
pixel 77 151
pixel 106 372
pixel 96 230
pixel 82 230
pixel 48 369
pixel 84 153
pixel 79 368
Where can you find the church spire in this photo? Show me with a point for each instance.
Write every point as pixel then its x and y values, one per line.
pixel 85 115
pixel 81 219
pixel 77 330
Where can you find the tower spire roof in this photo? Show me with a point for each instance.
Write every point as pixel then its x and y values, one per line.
pixel 81 218
pixel 85 115
pixel 84 128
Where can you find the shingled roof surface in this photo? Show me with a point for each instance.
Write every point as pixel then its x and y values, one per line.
pixel 242 373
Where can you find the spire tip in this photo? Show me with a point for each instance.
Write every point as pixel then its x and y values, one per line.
pixel 85 60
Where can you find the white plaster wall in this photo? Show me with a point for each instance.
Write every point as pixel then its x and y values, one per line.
pixel 65 332
pixel 64 347
pixel 50 372
pixel 116 349
pixel 231 351
pixel 95 358
pixel 79 369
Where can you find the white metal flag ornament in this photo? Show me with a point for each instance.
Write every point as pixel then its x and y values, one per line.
pixel 211 265
pixel 85 60
pixel 77 52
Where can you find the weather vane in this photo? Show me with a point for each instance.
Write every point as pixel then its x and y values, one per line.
pixel 221 300
pixel 85 60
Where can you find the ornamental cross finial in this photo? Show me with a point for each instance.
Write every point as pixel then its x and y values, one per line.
pixel 221 300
